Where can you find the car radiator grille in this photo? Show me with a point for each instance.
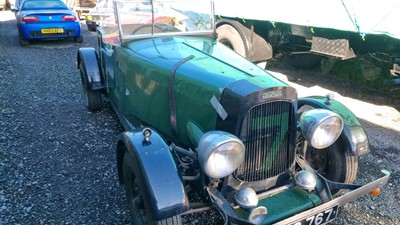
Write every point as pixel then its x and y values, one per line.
pixel 266 134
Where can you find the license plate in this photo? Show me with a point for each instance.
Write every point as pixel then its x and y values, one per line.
pixel 53 31
pixel 319 218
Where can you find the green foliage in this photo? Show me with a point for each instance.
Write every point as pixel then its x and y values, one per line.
pixel 365 71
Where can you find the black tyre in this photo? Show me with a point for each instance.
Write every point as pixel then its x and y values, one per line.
pixel 22 40
pixel 230 37
pixel 78 39
pixel 134 185
pixel 334 163
pixel 91 27
pixel 327 64
pixel 303 61
pixel 93 98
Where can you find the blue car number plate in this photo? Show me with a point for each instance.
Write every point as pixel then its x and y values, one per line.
pixel 53 31
pixel 319 218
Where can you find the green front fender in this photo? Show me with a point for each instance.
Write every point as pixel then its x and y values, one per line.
pixel 353 132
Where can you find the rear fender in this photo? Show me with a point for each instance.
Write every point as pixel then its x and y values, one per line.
pixel 87 59
pixel 353 135
pixel 164 192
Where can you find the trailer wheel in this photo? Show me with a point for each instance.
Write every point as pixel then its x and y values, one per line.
pixel 230 37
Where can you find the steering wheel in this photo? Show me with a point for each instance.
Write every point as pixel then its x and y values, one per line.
pixel 158 28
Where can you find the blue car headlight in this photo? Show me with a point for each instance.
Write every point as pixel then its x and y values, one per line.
pixel 321 127
pixel 220 153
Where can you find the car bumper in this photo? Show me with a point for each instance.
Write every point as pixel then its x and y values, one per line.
pixel 339 201
pixel 288 215
pixel 34 31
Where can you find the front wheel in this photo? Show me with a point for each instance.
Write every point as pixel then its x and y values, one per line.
pixel 134 192
pixel 334 163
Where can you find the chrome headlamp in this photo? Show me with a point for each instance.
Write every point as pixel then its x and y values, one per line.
pixel 321 127
pixel 220 153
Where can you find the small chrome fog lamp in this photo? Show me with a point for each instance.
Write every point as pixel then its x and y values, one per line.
pixel 257 215
pixel 321 127
pixel 220 153
pixel 306 180
pixel 246 198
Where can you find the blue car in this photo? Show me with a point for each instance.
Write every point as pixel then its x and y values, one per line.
pixel 46 19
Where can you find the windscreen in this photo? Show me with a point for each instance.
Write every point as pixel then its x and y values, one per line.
pixel 138 19
pixel 38 5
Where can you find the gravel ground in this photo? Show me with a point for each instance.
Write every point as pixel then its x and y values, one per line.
pixel 57 160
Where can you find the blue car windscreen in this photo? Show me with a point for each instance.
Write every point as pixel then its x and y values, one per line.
pixel 38 5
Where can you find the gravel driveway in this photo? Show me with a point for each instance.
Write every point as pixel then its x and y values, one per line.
pixel 57 160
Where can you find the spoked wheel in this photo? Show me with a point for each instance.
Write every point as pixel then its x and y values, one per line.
pixel 93 98
pixel 134 192
pixel 334 163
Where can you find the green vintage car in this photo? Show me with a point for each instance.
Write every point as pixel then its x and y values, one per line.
pixel 208 130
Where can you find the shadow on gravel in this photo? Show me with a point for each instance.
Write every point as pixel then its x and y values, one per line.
pixel 379 107
pixel 314 77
